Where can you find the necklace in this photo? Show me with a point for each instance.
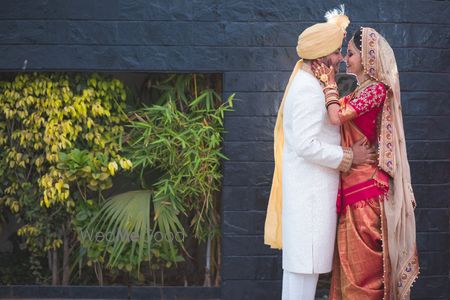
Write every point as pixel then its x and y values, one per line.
pixel 362 85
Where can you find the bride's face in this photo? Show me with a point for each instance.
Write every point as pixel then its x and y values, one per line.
pixel 353 60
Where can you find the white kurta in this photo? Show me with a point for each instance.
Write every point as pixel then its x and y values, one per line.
pixel 310 181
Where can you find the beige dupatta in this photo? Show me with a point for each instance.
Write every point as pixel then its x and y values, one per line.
pixel 379 62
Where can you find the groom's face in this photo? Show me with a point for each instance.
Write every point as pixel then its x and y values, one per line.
pixel 334 59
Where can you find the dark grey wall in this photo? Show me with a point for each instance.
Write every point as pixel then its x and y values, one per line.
pixel 253 44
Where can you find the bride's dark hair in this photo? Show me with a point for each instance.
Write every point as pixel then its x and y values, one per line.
pixel 357 37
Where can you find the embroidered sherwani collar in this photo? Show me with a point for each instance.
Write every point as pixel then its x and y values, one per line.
pixel 307 68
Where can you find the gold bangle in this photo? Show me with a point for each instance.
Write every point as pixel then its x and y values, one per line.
pixel 330 103
pixel 328 99
pixel 330 86
pixel 331 99
pixel 331 92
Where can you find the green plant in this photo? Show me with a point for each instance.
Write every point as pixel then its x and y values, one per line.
pixel 179 135
pixel 63 139
pixel 182 137
pixel 60 145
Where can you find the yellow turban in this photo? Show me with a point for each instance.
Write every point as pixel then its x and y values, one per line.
pixel 322 39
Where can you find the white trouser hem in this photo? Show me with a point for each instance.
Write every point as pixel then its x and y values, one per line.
pixel 297 286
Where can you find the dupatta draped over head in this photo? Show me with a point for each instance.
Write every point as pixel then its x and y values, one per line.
pixel 379 62
pixel 314 42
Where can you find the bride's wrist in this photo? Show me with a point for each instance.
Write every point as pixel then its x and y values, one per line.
pixel 330 85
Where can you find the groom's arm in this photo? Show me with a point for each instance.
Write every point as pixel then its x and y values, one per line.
pixel 308 113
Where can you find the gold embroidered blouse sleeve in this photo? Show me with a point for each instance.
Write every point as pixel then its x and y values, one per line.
pixel 353 106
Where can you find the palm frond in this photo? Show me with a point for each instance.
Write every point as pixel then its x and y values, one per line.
pixel 124 216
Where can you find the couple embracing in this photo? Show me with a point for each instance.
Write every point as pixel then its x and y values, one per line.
pixel 341 197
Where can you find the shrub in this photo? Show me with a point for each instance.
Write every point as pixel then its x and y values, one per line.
pixel 60 146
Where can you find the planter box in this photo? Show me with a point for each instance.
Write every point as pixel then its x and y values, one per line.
pixel 108 292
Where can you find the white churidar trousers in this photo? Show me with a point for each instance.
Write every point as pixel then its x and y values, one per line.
pixel 298 286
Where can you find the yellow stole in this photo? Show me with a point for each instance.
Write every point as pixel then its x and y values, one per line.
pixel 272 227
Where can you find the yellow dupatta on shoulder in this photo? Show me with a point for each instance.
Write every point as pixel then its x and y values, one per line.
pixel 272 227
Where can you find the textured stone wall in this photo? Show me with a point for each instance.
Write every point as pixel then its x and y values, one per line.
pixel 253 44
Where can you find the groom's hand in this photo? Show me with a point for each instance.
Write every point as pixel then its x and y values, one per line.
pixel 363 153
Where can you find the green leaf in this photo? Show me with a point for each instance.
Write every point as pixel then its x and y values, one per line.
pixel 123 215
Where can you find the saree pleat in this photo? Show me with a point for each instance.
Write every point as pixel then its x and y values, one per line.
pixel 361 267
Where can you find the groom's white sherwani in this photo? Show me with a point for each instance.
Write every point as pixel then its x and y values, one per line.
pixel 310 178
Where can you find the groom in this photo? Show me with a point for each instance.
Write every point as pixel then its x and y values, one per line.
pixel 308 158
